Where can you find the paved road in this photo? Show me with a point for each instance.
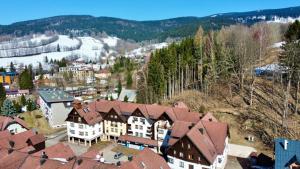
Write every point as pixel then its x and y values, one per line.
pixel 240 151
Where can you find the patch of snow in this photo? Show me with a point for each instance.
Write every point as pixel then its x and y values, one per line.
pixel 277 19
pixel 111 41
pixel 278 45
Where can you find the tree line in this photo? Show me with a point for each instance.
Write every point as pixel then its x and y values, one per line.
pixel 229 55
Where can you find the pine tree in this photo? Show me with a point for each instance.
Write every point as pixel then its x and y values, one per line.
pixel 126 98
pixel 129 80
pixel 31 105
pixel 17 107
pixel 12 67
pixel 25 81
pixel 2 94
pixel 8 108
pixel 119 87
pixel 23 100
pixel 58 48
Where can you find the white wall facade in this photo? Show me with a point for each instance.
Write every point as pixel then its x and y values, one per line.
pixel 85 131
pixel 140 127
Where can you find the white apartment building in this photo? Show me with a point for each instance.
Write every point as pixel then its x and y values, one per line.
pixel 55 105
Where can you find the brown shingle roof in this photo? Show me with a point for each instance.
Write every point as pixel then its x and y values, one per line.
pixel 36 139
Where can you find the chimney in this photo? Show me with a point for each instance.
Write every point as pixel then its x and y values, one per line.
pixel 201 131
pixel 44 155
pixel 42 161
pixel 130 158
pixel 79 161
pixel 118 164
pixel 285 144
pixel 10 150
pixel 77 104
pixel 11 143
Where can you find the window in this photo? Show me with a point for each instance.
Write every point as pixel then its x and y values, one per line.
pixel 174 152
pixel 81 126
pixel 171 160
pixel 79 119
pixel 86 133
pixel 72 124
pixel 116 116
pixel 141 134
pixel 81 133
pixel 112 116
pixel 219 160
pixel 191 157
pixel 143 121
pixel 94 132
pixel 160 131
pixel 136 134
pixel 72 131
pixel 181 164
pixel 199 159
pixel 180 154
pixel 182 145
pixel 141 127
pixel 189 146
pixel 99 129
pixel 136 127
pixel 116 130
pixel 112 129
pixel 135 119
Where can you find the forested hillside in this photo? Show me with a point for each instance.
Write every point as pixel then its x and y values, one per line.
pixel 219 71
pixel 143 30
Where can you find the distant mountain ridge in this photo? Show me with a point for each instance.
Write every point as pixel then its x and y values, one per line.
pixel 144 30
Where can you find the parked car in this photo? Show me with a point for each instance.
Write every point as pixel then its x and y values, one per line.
pixel 118 155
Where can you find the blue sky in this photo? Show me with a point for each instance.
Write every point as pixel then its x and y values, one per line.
pixel 20 10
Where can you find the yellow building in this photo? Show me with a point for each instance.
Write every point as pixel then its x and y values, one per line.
pixel 7 77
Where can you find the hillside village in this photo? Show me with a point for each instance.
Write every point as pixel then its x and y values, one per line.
pixel 226 97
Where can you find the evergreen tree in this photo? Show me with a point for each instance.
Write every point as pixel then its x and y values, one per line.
pixel 12 67
pixel 119 87
pixel 111 98
pixel 31 105
pixel 17 107
pixel 128 79
pixel 25 81
pixel 23 100
pixel 58 48
pixel 2 94
pixel 126 98
pixel 46 59
pixel 8 108
pixel 2 69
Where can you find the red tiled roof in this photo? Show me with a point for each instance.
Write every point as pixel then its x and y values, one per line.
pixel 58 150
pixel 208 136
pixel 180 128
pixel 138 140
pixel 36 139
pixel 146 159
pixel 217 132
pixel 5 121
pixel 209 117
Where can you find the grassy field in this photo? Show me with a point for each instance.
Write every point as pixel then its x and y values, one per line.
pixel 36 120
pixel 126 151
